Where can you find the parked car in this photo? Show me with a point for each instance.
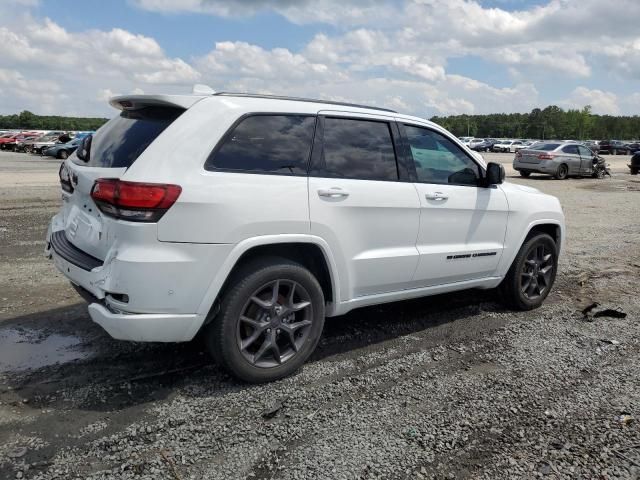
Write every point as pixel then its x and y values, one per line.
pixel 39 144
pixel 559 159
pixel 11 142
pixel 21 143
pixel 485 145
pixel 613 147
pixel 6 139
pixel 592 145
pixel 634 165
pixel 309 213
pixel 632 147
pixel 62 150
pixel 507 146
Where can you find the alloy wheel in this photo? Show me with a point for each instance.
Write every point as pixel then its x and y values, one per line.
pixel 536 275
pixel 274 324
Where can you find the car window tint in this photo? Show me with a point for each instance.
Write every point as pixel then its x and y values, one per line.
pixel 438 160
pixel 358 149
pixel 120 141
pixel 547 147
pixel 267 143
pixel 571 149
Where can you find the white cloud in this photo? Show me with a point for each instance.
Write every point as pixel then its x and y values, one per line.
pixel 389 53
pixel 601 101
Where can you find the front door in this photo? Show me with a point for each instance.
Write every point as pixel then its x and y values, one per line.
pixel 586 160
pixel 462 225
pixel 359 205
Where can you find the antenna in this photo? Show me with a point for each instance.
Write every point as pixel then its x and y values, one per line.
pixel 200 89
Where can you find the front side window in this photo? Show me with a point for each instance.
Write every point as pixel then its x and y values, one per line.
pixel 585 152
pixel 267 143
pixel 438 160
pixel 357 149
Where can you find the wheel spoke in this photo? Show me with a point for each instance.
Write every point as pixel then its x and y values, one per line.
pixel 253 323
pixel 532 287
pixel 527 284
pixel 266 346
pixel 261 303
pixel 546 274
pixel 247 342
pixel 274 293
pixel 291 328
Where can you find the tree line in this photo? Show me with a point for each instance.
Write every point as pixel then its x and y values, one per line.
pixel 27 120
pixel 551 123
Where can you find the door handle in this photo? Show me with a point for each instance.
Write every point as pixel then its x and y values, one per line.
pixel 334 192
pixel 438 196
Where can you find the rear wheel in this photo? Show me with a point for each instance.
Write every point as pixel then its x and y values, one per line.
pixel 532 273
pixel 524 173
pixel 270 320
pixel 563 172
pixel 634 171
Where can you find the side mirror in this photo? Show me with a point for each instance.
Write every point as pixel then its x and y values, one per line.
pixel 495 174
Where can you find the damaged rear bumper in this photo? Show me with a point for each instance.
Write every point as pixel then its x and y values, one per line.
pixel 139 292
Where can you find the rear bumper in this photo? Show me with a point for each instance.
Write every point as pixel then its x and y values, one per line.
pixel 145 290
pixel 542 167
pixel 146 327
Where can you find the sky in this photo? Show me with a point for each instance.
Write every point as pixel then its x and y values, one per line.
pixel 422 57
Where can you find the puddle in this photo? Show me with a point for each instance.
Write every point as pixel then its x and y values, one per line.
pixel 30 349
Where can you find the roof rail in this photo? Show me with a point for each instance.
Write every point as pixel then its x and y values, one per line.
pixel 298 99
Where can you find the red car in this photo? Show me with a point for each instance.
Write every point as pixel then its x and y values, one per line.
pixel 10 140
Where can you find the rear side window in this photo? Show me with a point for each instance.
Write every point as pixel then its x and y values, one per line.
pixel 266 143
pixel 571 149
pixel 357 149
pixel 120 141
pixel 547 147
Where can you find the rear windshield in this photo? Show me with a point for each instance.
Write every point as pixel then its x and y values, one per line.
pixel 547 147
pixel 120 141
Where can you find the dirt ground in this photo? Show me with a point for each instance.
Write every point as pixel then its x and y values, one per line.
pixel 452 386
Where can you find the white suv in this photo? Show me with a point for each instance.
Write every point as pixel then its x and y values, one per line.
pixel 251 218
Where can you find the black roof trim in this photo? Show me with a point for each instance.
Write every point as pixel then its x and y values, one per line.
pixel 298 99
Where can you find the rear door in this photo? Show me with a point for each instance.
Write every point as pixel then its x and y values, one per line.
pixel 113 149
pixel 362 204
pixel 462 225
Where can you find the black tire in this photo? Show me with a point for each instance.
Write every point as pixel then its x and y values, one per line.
pixel 63 154
pixel 223 335
pixel 634 171
pixel 511 288
pixel 525 174
pixel 563 172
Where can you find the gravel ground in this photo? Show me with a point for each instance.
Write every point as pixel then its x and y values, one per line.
pixel 453 386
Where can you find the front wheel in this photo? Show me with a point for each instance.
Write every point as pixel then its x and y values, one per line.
pixel 532 273
pixel 270 320
pixel 525 174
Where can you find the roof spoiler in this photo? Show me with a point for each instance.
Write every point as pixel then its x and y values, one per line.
pixel 135 102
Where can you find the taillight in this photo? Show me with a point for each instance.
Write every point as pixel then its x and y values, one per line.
pixel 545 156
pixel 134 201
pixel 65 178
